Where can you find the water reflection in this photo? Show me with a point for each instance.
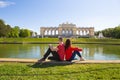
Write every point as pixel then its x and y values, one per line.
pixel 90 51
pixel 100 52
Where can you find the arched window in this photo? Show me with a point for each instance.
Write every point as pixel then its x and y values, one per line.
pixel 63 31
pixel 84 32
pixel 67 31
pixel 53 32
pixel 87 32
pixel 46 32
pixel 49 33
pixel 81 32
pixel 56 32
pixel 77 32
pixel 70 32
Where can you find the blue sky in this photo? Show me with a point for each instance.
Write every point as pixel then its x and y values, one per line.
pixel 32 14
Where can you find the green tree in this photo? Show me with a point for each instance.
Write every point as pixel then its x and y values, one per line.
pixel 116 32
pixel 14 32
pixel 108 32
pixel 111 32
pixel 8 30
pixel 24 33
pixel 4 29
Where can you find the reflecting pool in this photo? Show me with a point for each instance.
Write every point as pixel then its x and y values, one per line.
pixel 36 51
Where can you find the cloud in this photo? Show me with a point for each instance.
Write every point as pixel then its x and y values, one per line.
pixel 5 4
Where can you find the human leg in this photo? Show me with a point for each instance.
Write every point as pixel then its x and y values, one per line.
pixel 55 55
pixel 45 55
pixel 74 54
pixel 81 58
pixel 78 53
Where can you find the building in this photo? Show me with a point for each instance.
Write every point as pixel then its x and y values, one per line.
pixel 67 30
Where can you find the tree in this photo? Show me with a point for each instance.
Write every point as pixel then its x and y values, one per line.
pixel 24 33
pixel 116 32
pixel 111 32
pixel 14 32
pixel 108 32
pixel 17 31
pixel 4 29
pixel 8 31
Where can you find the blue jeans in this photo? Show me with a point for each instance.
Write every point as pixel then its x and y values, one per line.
pixel 74 54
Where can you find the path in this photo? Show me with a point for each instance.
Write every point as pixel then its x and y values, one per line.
pixel 35 60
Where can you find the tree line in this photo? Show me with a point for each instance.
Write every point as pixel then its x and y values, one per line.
pixel 13 32
pixel 111 32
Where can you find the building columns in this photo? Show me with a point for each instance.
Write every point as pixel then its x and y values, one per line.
pixel 69 30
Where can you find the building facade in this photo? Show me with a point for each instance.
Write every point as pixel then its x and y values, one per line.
pixel 67 30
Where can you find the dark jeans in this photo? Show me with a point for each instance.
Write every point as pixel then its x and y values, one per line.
pixel 74 54
pixel 54 56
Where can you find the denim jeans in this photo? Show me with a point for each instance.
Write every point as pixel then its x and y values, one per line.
pixel 74 54
pixel 54 56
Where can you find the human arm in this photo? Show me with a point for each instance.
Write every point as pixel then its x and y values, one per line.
pixel 53 48
pixel 76 48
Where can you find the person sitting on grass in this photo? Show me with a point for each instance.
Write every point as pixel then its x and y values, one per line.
pixel 57 52
pixel 71 52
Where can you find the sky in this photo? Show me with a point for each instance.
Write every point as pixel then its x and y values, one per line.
pixel 33 14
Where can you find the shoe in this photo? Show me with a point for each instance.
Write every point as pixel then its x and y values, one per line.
pixel 82 59
pixel 41 60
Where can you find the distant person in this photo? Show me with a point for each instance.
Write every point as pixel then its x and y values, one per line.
pixel 71 52
pixel 57 52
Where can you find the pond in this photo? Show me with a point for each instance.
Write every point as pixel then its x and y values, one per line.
pixel 36 51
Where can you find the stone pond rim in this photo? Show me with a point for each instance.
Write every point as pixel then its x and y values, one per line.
pixel 56 62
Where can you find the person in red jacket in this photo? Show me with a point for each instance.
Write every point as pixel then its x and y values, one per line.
pixel 71 52
pixel 57 52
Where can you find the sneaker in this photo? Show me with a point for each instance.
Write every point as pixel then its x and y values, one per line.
pixel 82 59
pixel 41 60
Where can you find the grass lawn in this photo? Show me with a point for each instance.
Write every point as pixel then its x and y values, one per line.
pixel 55 40
pixel 30 71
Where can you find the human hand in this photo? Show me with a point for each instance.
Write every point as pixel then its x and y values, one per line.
pixel 49 44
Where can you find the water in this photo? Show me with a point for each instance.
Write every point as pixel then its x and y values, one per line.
pixel 36 51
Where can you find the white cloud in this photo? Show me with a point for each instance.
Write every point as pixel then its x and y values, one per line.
pixel 5 4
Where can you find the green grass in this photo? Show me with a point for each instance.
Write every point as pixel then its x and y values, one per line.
pixel 97 40
pixel 55 40
pixel 28 39
pixel 30 71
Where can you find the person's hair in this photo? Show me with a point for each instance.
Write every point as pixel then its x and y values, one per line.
pixel 67 44
pixel 60 38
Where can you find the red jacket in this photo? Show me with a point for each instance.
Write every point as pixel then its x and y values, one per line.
pixel 69 51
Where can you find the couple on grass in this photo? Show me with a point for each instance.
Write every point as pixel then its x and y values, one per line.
pixel 62 52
